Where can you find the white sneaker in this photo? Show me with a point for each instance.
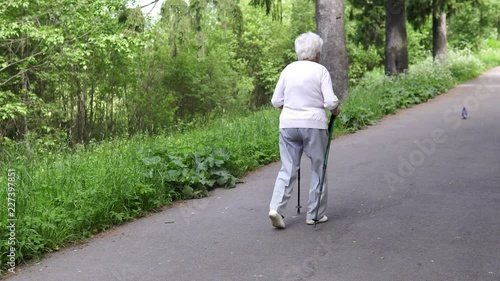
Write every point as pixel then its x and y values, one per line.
pixel 276 219
pixel 322 219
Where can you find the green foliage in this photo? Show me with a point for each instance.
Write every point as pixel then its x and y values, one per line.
pixel 366 24
pixel 420 43
pixel 91 70
pixel 265 53
pixel 419 11
pixel 187 176
pixel 192 67
pixel 365 37
pixel 471 24
pixel 490 56
pixel 133 19
pixel 302 17
pixel 55 56
pixel 99 70
pixel 11 107
pixel 273 7
pixel 354 118
pixel 362 61
pixel 464 65
pixel 241 134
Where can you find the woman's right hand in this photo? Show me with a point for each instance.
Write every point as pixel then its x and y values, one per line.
pixel 336 110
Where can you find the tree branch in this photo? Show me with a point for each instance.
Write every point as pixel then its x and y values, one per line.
pixel 14 76
pixel 19 61
pixel 144 6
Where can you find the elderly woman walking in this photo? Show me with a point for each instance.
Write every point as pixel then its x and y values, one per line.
pixel 303 92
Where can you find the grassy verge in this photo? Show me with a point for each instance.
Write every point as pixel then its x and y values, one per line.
pixel 63 196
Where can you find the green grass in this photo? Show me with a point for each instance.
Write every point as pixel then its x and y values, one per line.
pixel 63 196
pixel 490 53
pixel 250 138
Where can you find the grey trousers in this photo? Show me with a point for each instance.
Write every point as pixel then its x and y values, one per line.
pixel 292 143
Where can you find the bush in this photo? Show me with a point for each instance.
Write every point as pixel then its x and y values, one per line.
pixel 464 66
pixel 490 54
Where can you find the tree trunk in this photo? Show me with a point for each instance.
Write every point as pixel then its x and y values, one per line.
pixel 25 99
pixel 24 92
pixel 90 124
pixel 72 125
pixel 439 41
pixel 259 97
pixel 80 113
pixel 481 21
pixel 330 27
pixel 396 44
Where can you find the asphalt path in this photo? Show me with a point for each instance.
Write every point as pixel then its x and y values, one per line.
pixel 415 197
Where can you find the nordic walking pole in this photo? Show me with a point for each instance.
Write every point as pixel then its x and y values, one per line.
pixel 325 162
pixel 298 187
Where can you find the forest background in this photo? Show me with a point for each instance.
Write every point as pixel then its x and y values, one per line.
pixel 107 114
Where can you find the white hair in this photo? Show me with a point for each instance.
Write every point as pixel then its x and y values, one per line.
pixel 307 45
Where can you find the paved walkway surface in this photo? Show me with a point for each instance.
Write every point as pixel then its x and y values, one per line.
pixel 416 197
